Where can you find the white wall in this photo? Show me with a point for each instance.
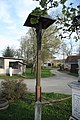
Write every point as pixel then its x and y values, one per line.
pixel 2 71
pixel 5 70
pixel 67 65
pixel 79 68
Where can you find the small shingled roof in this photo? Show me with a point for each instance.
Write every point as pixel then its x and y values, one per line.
pixel 73 58
pixel 46 21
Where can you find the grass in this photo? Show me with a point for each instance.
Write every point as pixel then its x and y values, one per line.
pixel 44 73
pixel 11 77
pixel 24 109
pixel 73 74
pixel 69 73
pixel 28 74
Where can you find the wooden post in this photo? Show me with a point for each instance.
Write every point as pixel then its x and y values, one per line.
pixel 38 74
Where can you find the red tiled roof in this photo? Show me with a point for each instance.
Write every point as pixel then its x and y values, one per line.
pixel 72 58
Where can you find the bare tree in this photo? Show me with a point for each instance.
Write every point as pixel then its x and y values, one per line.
pixel 50 45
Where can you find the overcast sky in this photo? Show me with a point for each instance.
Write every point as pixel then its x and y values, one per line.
pixel 13 14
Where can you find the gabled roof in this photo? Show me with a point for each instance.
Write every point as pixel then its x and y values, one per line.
pixel 21 63
pixel 58 60
pixel 73 58
pixel 18 62
pixel 11 58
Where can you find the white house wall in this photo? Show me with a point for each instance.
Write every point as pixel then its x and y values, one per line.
pixel 6 66
pixel 67 65
pixel 16 71
pixel 6 69
pixel 2 71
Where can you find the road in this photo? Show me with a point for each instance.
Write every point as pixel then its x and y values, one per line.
pixel 57 83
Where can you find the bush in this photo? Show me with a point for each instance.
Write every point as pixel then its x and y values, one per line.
pixel 13 89
pixel 29 65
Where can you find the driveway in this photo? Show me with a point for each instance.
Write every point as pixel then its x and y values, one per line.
pixel 57 83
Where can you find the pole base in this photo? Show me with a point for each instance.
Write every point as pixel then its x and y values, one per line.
pixel 38 110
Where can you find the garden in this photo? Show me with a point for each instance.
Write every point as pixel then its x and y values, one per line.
pixel 22 103
pixel 45 72
pixel 24 109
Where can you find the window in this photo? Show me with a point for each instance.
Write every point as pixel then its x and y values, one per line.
pixel 49 64
pixel 14 65
pixel 1 63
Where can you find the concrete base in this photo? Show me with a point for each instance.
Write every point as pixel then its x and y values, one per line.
pixel 75 100
pixel 38 110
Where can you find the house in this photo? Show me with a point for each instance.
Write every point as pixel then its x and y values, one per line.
pixel 17 65
pixel 47 64
pixel 58 62
pixel 71 63
pixel 53 63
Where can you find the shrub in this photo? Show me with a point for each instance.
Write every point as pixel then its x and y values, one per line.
pixel 13 89
pixel 29 65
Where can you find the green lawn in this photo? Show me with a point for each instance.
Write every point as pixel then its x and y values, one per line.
pixel 24 109
pixel 44 73
pixel 73 74
pixel 11 77
pixel 69 73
